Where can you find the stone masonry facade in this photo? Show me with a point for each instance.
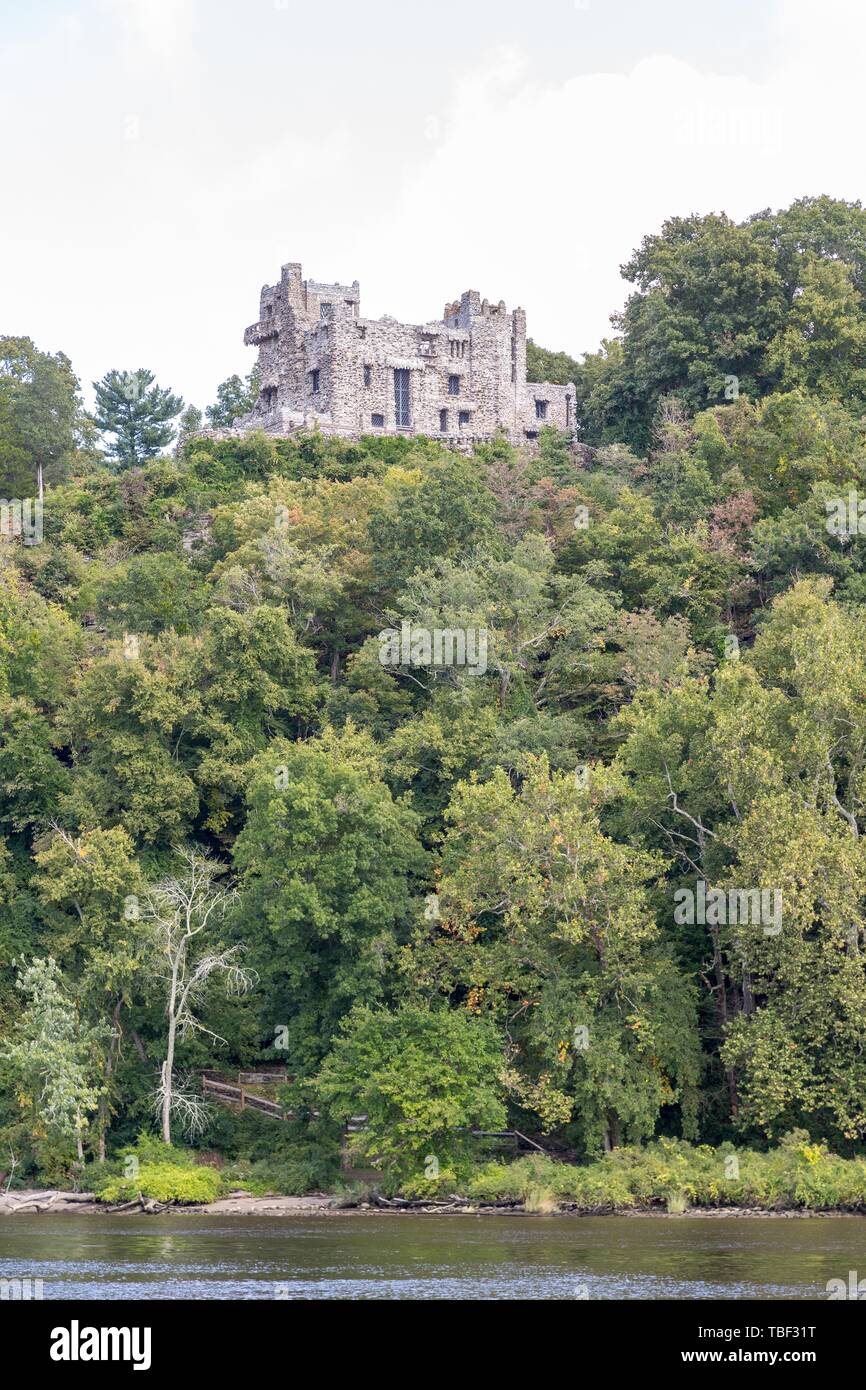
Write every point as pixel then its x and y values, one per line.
pixel 461 378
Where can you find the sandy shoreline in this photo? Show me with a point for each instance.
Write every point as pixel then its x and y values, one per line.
pixel 33 1202
pixel 36 1202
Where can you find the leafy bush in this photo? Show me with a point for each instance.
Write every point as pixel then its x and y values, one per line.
pixel 164 1183
pixel 292 1175
pixel 676 1175
pixel 532 1179
pixel 159 1173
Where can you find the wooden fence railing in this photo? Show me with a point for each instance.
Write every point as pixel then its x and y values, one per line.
pixel 239 1095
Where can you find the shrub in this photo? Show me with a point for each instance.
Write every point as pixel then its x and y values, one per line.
pixel 291 1175
pixel 676 1175
pixel 164 1182
pixel 160 1173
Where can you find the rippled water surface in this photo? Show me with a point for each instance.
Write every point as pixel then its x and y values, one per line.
pixel 431 1256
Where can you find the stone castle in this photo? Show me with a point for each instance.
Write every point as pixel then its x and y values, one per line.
pixel 461 378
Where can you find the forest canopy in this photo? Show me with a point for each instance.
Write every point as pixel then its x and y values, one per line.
pixel 576 851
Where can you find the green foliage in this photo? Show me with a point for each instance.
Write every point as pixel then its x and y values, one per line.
pixel 189 424
pixel 52 1056
pixel 558 944
pixel 722 308
pixel 160 1173
pixel 217 466
pixel 299 1172
pixel 300 1154
pixel 149 593
pixel 440 512
pixel 41 420
pixel 326 860
pixel 424 1079
pixel 674 1174
pixel 234 397
pixel 543 365
pixel 164 1183
pixel 598 1186
pixel 137 413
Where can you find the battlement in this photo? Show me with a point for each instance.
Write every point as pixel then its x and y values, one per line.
pixel 351 293
pixel 470 305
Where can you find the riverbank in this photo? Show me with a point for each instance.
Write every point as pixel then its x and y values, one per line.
pixel 35 1202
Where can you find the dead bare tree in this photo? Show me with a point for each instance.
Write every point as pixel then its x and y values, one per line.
pixel 181 911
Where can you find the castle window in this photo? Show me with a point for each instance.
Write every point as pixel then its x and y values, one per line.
pixel 401 397
pixel 325 310
pixel 541 410
pixel 567 412
pixel 378 421
pixel 314 381
pixel 443 421
pixel 454 386
pixel 368 375
pixel 457 347
pixel 532 434
pixel 463 418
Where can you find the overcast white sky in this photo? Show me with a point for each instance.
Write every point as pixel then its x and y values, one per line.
pixel 162 158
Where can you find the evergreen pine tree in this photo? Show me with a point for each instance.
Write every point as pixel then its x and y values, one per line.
pixel 137 413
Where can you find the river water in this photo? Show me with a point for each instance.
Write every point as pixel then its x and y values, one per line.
pixel 359 1256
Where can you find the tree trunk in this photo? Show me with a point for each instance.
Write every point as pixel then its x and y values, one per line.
pixel 748 996
pixel 611 1134
pixel 168 1064
pixel 166 1102
pixel 731 1075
